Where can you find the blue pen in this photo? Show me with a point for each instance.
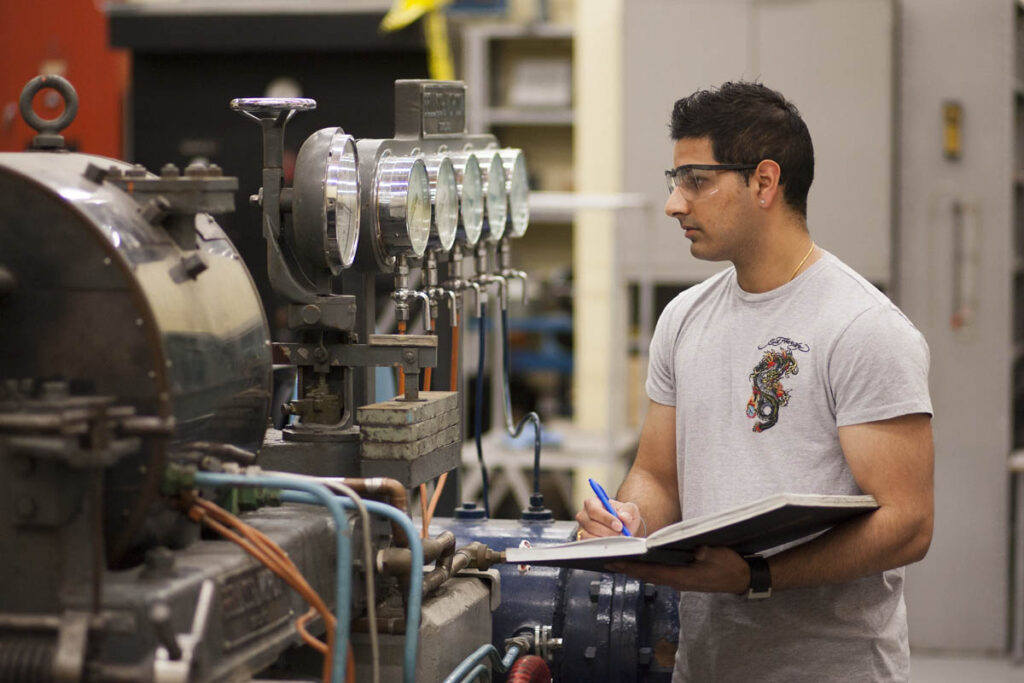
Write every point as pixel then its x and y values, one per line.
pixel 603 497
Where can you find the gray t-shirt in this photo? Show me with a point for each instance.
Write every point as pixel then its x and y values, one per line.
pixel 761 383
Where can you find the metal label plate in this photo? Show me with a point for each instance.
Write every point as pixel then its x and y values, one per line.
pixel 443 110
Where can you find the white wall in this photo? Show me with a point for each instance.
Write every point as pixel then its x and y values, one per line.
pixel 832 58
pixel 952 49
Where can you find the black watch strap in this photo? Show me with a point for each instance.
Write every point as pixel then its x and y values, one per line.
pixel 760 578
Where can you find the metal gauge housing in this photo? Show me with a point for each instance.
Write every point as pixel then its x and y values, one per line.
pixel 471 196
pixel 326 206
pixel 518 189
pixel 492 173
pixel 401 197
pixel 444 198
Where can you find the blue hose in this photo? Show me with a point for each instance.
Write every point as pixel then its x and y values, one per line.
pixel 533 418
pixel 478 417
pixel 480 671
pixel 322 495
pixel 460 673
pixel 412 619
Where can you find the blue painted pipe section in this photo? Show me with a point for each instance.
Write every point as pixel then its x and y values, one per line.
pixel 614 629
pixel 479 672
pixel 325 497
pixel 412 618
pixel 459 674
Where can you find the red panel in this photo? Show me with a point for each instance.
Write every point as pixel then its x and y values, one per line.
pixel 69 38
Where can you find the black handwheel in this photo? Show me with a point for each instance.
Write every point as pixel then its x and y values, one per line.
pixel 67 92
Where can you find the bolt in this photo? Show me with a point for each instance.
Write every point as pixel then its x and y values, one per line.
pixel 214 171
pixel 320 354
pixel 169 171
pixel 195 171
pixel 26 508
pixel 155 210
pixel 311 314
pixel 193 265
pixel 136 171
pixel 95 174
pixel 595 590
pixel 303 353
pixel 643 656
pixel 409 356
pixel 590 652
pixel 650 590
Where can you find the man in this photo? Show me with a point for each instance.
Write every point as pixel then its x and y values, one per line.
pixel 786 373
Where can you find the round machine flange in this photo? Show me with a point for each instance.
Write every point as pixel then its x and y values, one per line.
pixel 325 208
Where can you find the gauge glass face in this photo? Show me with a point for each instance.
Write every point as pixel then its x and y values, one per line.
pixel 341 200
pixel 472 201
pixel 518 191
pixel 417 215
pixel 446 203
pixel 497 198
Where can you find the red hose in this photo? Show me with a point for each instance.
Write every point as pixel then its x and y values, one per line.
pixel 529 669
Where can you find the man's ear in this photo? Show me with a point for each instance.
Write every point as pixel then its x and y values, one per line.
pixel 765 183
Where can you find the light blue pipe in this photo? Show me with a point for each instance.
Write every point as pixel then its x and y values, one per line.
pixel 466 668
pixel 480 671
pixel 412 617
pixel 320 494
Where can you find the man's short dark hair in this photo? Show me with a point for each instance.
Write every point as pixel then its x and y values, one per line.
pixel 747 123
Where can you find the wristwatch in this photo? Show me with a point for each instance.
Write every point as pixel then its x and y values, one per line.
pixel 760 578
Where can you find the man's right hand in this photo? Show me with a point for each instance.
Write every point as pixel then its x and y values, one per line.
pixel 594 520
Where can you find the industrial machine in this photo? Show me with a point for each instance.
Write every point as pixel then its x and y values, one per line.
pixel 154 528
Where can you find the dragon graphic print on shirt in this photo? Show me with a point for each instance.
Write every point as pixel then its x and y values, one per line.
pixel 768 395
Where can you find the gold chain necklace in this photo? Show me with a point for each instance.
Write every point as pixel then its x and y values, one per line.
pixel 802 262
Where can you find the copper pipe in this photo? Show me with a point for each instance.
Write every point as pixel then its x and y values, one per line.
pixel 376 486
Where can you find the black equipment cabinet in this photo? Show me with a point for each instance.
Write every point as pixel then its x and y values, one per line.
pixel 186 67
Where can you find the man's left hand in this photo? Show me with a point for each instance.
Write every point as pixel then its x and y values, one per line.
pixel 713 570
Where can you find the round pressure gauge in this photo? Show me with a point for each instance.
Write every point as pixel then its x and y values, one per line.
pixel 518 190
pixel 471 196
pixel 495 196
pixel 325 210
pixel 444 197
pixel 402 200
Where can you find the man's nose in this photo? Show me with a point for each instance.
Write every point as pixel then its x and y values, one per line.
pixel 676 204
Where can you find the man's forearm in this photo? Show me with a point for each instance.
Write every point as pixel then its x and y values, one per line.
pixel 867 545
pixel 658 503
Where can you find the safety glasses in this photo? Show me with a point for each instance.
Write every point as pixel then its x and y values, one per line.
pixel 696 181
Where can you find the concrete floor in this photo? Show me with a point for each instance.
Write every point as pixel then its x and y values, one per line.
pixel 941 668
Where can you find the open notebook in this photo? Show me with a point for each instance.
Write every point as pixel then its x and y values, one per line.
pixel 751 528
